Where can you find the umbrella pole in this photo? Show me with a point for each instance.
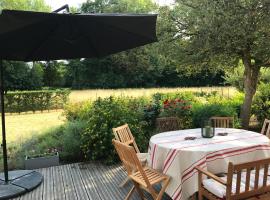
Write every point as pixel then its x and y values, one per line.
pixel 3 121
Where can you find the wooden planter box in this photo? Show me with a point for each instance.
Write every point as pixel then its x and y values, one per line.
pixel 41 162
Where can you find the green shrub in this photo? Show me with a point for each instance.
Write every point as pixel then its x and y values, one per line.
pixel 77 111
pixel 261 103
pixel 235 103
pixel 71 142
pixel 203 112
pixel 17 102
pixel 151 111
pixel 103 116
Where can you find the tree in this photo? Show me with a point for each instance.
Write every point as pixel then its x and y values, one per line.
pixel 16 75
pixel 22 76
pixel 54 74
pixel 36 76
pixel 33 5
pixel 118 6
pixel 222 32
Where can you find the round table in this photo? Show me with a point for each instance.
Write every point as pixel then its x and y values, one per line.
pixel 177 157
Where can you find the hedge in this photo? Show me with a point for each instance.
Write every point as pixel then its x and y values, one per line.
pixel 24 101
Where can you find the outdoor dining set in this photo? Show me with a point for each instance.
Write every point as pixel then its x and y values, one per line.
pixel 216 161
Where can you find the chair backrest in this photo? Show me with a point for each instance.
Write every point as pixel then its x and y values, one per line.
pixel 164 124
pixel 124 135
pixel 251 179
pixel 130 160
pixel 266 128
pixel 222 122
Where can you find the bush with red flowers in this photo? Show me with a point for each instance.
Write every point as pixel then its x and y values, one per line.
pixel 180 108
pixel 176 107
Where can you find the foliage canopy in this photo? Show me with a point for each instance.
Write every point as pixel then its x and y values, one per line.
pixel 220 33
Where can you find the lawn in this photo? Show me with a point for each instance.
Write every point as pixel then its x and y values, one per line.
pixel 21 127
pixel 82 95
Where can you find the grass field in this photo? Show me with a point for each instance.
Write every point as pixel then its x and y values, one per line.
pixel 21 127
pixel 82 95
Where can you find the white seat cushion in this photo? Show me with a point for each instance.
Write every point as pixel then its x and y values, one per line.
pixel 219 190
pixel 215 187
pixel 142 157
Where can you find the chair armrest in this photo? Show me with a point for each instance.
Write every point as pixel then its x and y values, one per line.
pixel 213 176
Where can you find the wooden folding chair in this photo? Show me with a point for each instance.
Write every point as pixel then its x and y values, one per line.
pixel 266 128
pixel 248 181
pixel 124 135
pixel 164 124
pixel 222 122
pixel 142 177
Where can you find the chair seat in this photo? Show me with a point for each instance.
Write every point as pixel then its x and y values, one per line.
pixel 152 175
pixel 143 157
pixel 219 190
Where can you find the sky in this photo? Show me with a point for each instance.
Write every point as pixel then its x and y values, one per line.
pixel 75 3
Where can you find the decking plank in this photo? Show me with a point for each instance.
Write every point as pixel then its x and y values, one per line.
pixel 119 175
pixel 89 184
pixel 59 190
pixel 82 181
pixel 110 179
pixel 105 184
pixel 78 182
pixel 70 191
pixel 48 184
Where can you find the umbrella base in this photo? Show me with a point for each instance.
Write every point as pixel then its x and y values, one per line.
pixel 20 182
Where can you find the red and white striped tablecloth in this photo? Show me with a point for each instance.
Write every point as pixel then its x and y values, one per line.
pixel 177 157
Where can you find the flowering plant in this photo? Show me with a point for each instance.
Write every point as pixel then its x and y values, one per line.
pixel 176 107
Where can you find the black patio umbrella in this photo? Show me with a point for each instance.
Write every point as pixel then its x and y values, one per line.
pixel 32 36
pixel 39 36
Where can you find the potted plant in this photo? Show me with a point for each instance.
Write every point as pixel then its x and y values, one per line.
pixel 42 160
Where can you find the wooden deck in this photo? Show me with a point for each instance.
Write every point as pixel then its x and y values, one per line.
pixel 81 181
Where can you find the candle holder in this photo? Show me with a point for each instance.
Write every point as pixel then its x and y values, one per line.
pixel 208 130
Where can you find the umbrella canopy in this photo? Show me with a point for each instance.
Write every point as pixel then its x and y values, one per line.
pixel 37 36
pixel 33 36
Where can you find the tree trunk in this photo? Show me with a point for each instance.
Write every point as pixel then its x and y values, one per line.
pixel 251 75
